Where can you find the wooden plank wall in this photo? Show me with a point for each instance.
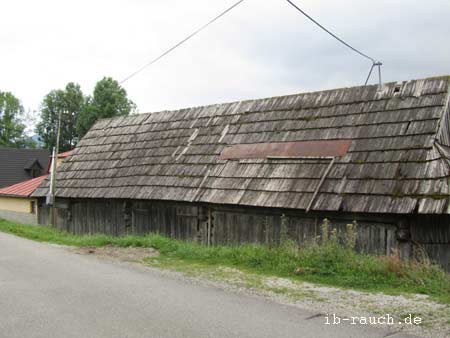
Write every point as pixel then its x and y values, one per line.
pixel 230 226
pixel 88 217
pixel 219 225
pixel 237 227
pixel 43 213
pixel 432 233
pixel 176 221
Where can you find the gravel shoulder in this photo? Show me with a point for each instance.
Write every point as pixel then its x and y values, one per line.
pixel 320 299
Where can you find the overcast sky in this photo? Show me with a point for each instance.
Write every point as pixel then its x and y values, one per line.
pixel 262 48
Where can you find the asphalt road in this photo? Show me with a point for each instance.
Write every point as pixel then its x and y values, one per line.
pixel 47 291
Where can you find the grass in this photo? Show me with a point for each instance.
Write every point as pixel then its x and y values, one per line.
pixel 330 264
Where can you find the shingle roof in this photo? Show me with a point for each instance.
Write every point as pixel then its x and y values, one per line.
pixel 397 161
pixel 23 189
pixel 13 163
pixel 30 163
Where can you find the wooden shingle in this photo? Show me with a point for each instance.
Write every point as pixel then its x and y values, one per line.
pixel 398 160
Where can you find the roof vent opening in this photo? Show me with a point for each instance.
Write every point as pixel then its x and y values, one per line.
pixel 397 89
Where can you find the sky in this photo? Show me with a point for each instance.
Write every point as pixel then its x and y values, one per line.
pixel 262 48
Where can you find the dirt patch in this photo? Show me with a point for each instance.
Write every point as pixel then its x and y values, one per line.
pixel 129 254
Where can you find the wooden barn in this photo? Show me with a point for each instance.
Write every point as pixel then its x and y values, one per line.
pixel 233 173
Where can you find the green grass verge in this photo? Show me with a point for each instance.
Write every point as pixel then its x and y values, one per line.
pixel 329 264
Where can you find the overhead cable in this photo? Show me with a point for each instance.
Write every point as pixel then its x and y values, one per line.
pixel 375 63
pixel 181 42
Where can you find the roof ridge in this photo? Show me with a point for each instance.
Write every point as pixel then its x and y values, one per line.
pixel 314 92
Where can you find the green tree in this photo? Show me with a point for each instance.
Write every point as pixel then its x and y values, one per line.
pixel 11 124
pixel 108 100
pixel 70 102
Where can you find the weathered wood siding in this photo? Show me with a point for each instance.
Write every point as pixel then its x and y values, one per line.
pixel 220 225
pixel 232 226
pixel 432 232
pixel 90 218
pixel 215 225
pixel 43 213
pixel 177 221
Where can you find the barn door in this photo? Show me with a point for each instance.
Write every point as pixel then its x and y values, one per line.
pixel 205 226
pixel 188 221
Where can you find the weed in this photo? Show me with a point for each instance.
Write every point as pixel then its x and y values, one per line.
pixel 394 263
pixel 350 236
pixel 324 228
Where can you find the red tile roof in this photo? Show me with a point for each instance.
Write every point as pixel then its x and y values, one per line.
pixel 23 189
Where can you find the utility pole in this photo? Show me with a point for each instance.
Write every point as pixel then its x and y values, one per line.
pixel 51 198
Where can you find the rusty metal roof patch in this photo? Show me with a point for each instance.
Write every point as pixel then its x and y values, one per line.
pixel 322 148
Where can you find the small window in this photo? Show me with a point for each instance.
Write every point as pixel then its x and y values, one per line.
pixel 35 172
pixel 33 207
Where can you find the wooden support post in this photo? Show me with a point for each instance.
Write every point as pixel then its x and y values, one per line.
pixel 205 226
pixel 209 228
pixel 202 218
pixel 403 235
pixel 128 217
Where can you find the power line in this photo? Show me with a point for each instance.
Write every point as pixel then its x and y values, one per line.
pixel 374 62
pixel 181 42
pixel 331 33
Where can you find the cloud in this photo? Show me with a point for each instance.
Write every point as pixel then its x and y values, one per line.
pixel 261 48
